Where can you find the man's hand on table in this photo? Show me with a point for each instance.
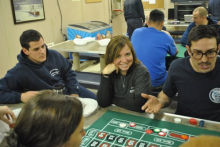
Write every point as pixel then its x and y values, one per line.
pixel 152 105
pixel 27 95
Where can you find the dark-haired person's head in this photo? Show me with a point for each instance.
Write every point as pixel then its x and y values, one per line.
pixel 49 120
pixel 29 36
pixel 33 46
pixel 203 47
pixel 156 16
pixel 202 31
pixel 118 47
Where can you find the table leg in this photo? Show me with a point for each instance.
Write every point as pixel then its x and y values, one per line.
pixel 102 62
pixel 76 61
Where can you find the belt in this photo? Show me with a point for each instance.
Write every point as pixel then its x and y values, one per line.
pixel 134 18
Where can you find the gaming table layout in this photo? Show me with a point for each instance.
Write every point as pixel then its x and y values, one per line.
pixel 115 129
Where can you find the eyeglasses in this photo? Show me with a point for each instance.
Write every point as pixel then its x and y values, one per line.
pixel 209 54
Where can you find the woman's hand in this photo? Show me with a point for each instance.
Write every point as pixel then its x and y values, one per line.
pixel 109 69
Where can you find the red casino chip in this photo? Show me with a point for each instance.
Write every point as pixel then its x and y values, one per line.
pixel 162 134
pixel 149 131
pixel 192 121
pixel 132 124
pixel 185 137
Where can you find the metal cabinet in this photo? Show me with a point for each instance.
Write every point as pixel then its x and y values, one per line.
pixel 182 8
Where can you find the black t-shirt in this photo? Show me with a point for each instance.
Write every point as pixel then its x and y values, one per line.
pixel 198 93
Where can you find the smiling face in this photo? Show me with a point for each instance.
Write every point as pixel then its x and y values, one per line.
pixel 36 52
pixel 124 60
pixel 76 138
pixel 204 45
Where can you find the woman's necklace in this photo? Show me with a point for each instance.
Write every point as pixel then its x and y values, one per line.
pixel 123 81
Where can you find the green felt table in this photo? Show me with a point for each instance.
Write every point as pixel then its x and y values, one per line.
pixel 169 59
pixel 106 132
pixel 181 51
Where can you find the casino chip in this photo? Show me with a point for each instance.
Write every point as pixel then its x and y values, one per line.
pixel 177 120
pixel 156 130
pixel 162 134
pixel 149 131
pixel 192 121
pixel 132 124
pixel 122 125
pixel 185 137
pixel 165 130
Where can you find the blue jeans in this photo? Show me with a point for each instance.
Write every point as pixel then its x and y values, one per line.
pixel 85 93
pixel 133 24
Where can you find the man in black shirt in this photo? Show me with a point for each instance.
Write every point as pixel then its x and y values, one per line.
pixel 196 79
pixel 134 15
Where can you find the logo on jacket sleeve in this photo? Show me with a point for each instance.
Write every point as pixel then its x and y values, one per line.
pixel 54 72
pixel 214 95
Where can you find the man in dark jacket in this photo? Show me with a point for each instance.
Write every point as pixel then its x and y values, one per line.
pixel 38 69
pixel 199 18
pixel 134 15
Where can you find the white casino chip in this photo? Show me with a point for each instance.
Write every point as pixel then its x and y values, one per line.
pixel 122 125
pixel 177 120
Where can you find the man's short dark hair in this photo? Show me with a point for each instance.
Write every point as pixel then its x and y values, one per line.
pixel 28 36
pixel 156 16
pixel 202 31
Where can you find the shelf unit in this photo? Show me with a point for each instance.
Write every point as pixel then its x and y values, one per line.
pixel 117 5
pixel 183 8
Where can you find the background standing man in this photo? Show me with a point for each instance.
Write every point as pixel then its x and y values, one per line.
pixel 214 10
pixel 134 15
pixel 38 69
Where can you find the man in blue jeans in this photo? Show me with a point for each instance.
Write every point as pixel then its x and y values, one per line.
pixel 38 68
pixel 134 15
